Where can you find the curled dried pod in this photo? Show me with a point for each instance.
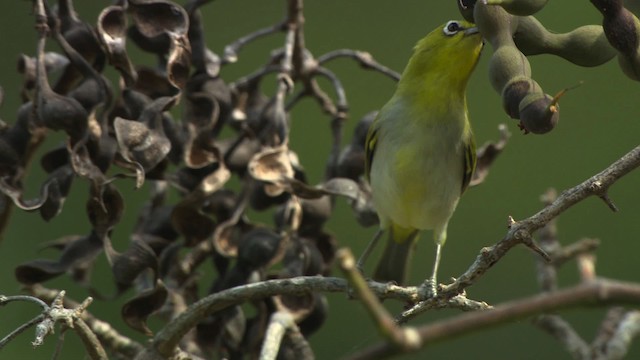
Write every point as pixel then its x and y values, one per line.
pixel 316 317
pixel 159 44
pixel 622 29
pixel 351 159
pixel 507 63
pixel 238 152
pixel 26 66
pixel 539 113
pixel 315 213
pixel 259 248
pixel 204 60
pixel 142 143
pixel 55 111
pixel 519 7
pixel 155 17
pixel 112 30
pixel 153 83
pixel 584 46
pixel 262 197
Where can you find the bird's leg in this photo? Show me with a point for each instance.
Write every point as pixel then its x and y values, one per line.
pixel 429 287
pixel 367 251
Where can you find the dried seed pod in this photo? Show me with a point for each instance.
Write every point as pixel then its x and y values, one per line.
pixel 584 46
pixel 203 59
pixel 112 30
pixel 26 66
pixel 351 159
pixel 61 180
pixel 55 111
pixel 259 248
pixel 519 7
pixel 156 17
pixel 159 44
pixel 316 317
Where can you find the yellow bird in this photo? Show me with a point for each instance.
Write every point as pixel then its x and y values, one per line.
pixel 420 151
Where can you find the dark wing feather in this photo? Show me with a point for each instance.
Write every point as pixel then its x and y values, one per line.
pixel 370 149
pixel 470 160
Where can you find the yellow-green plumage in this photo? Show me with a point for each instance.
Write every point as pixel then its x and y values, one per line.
pixel 420 148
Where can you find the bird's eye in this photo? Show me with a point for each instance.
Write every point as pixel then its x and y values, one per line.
pixel 451 28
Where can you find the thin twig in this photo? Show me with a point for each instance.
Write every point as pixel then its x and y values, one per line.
pixel 231 50
pixel 363 58
pixel 561 330
pixel 20 329
pixel 108 336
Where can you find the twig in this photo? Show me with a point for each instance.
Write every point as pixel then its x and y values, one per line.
pixel 460 302
pixel 363 58
pixel 557 327
pixel 20 329
pixel 403 337
pixel 107 335
pixel 280 323
pixel 628 328
pixel 599 292
pixel 231 50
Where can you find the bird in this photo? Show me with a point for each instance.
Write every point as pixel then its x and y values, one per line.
pixel 420 151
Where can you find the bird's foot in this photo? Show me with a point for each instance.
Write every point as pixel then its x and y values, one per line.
pixel 428 289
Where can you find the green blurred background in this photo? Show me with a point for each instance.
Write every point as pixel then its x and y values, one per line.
pixel 598 124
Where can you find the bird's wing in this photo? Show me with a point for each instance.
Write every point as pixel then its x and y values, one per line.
pixel 370 148
pixel 470 160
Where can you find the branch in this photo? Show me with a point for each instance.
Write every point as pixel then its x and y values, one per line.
pixel 521 231
pixel 600 292
pixel 106 334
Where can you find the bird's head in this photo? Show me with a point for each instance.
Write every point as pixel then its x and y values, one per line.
pixel 448 53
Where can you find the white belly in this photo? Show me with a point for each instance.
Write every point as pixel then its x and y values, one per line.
pixel 416 176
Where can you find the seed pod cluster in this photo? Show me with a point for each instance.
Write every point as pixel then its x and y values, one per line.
pixel 510 72
pixel 514 34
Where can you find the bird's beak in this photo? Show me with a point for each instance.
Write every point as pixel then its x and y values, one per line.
pixel 471 31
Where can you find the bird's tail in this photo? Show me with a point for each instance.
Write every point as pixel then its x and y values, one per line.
pixel 394 264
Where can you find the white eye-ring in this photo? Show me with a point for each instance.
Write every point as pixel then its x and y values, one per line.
pixel 451 28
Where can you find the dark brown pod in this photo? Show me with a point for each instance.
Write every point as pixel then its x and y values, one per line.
pixel 539 113
pixel 513 93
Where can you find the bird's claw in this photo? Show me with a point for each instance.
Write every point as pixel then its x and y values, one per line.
pixel 428 289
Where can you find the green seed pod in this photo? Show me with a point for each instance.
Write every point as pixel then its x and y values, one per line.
pixel 519 7
pixel 630 66
pixel 507 63
pixel 585 46
pixel 495 24
pixel 539 113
